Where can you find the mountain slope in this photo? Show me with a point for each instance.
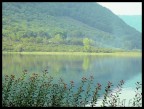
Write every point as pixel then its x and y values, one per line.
pixel 133 20
pixel 68 23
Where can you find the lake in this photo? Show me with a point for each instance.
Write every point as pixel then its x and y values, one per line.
pixel 71 67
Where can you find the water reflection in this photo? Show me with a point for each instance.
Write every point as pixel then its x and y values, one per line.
pixel 103 68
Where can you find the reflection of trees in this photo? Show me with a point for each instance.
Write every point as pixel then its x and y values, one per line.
pixel 56 67
pixel 74 65
pixel 37 63
pixel 86 63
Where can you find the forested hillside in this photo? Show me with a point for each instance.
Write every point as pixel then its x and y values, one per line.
pixel 65 27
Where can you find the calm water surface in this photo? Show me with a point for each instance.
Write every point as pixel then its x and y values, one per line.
pixel 103 68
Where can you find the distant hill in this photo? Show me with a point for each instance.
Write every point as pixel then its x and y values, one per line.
pixel 133 20
pixel 34 25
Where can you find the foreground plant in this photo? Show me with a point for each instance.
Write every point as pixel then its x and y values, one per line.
pixel 137 100
pixel 114 95
pixel 41 91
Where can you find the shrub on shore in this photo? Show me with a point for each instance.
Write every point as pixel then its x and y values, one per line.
pixel 40 91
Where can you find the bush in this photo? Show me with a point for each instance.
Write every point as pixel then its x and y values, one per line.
pixel 41 91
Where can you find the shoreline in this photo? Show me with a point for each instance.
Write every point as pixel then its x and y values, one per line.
pixel 78 53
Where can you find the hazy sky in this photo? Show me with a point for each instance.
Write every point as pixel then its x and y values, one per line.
pixel 124 8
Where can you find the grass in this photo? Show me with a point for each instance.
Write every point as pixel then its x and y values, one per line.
pixel 133 54
pixel 40 91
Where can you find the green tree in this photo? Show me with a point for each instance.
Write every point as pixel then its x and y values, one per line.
pixel 57 39
pixel 45 40
pixel 86 43
pixel 39 39
pixel 19 48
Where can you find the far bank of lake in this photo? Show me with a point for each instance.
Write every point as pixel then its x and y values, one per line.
pixel 79 53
